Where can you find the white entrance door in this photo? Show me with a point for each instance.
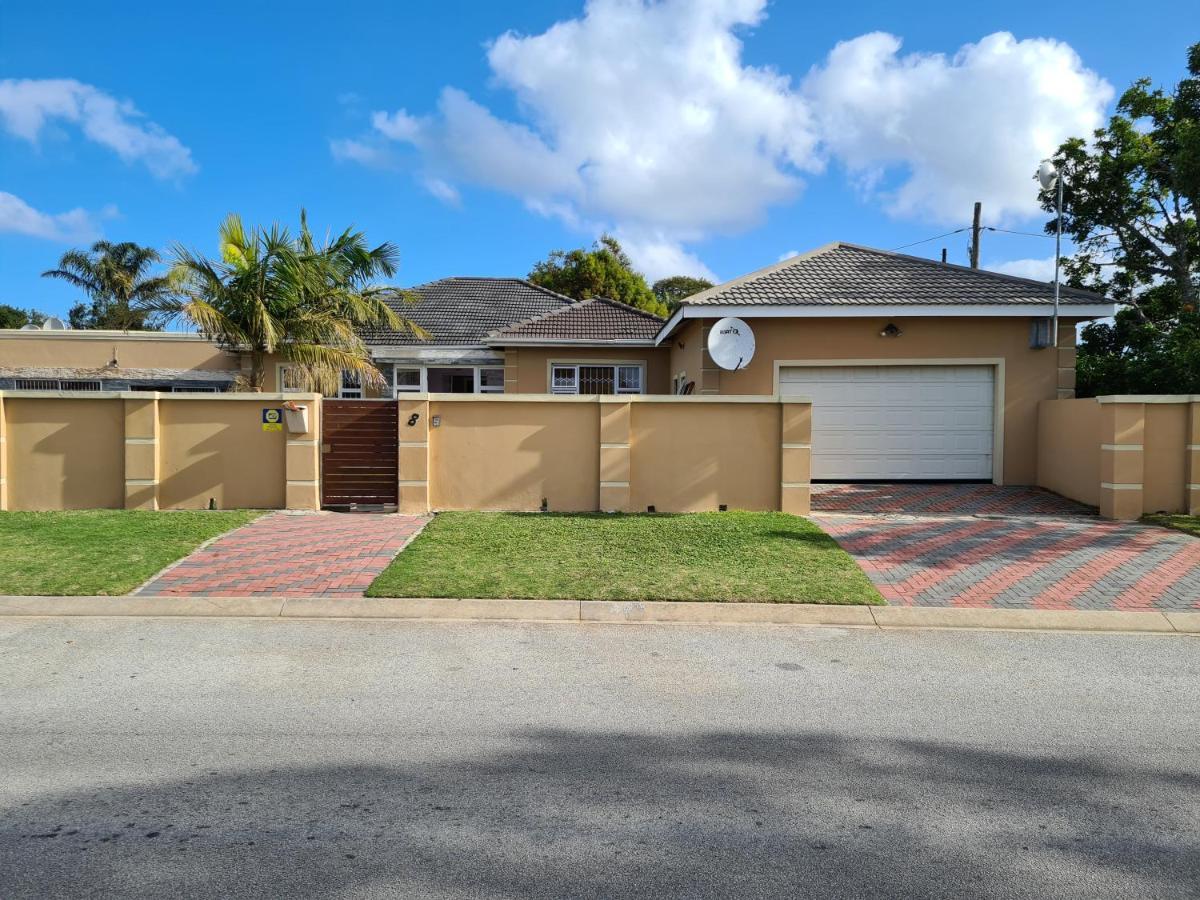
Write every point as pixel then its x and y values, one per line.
pixel 895 423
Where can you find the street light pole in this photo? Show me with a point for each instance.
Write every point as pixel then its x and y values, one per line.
pixel 1049 177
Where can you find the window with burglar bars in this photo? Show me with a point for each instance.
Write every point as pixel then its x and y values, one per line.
pixel 596 379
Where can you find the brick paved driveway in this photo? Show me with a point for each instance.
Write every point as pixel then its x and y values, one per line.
pixel 291 555
pixel 1018 548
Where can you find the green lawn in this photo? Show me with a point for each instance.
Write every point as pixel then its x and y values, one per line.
pixel 1187 524
pixel 728 556
pixel 100 551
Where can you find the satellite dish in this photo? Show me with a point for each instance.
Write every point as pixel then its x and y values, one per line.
pixel 1047 175
pixel 54 323
pixel 31 327
pixel 731 343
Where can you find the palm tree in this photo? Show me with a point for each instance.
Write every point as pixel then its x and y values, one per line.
pixel 116 279
pixel 271 292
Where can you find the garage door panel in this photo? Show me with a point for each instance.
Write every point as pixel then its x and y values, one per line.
pixel 898 422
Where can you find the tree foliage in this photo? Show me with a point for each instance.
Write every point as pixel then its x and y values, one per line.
pixel 603 271
pixel 118 283
pixel 671 291
pixel 1130 202
pixel 272 292
pixel 15 317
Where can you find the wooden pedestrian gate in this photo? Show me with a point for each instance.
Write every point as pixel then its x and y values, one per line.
pixel 359 464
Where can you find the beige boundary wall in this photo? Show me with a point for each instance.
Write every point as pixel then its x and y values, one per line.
pixel 143 450
pixel 616 454
pixel 1128 455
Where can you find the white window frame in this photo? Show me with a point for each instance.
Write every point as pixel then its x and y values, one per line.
pixel 419 388
pixel 280 369
pixel 616 366
pixel 480 389
pixel 349 393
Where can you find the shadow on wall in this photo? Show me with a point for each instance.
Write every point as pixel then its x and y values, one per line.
pixel 74 457
pixel 595 814
pixel 239 465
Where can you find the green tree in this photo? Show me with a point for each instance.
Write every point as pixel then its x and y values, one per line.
pixel 1130 201
pixel 274 293
pixel 603 271
pixel 671 291
pixel 117 281
pixel 15 317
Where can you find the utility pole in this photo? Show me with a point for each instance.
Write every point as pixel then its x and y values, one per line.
pixel 975 235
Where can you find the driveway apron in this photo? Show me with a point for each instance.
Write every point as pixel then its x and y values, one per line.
pixel 1005 547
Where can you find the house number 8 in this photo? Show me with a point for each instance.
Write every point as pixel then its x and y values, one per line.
pixel 412 420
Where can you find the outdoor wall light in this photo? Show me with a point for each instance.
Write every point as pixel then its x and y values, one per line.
pixel 890 330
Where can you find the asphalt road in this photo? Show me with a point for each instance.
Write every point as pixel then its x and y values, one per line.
pixel 240 758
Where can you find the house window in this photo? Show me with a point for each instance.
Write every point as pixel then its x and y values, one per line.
pixel 1039 334
pixel 593 379
pixel 54 384
pixel 351 386
pixel 291 380
pixel 564 380
pixel 405 380
pixel 490 381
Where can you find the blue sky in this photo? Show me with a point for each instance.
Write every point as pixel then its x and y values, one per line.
pixel 713 136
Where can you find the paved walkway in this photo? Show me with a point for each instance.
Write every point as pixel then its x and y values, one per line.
pixel 934 545
pixel 291 555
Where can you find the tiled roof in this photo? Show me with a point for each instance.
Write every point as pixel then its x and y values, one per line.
pixel 462 311
pixel 90 373
pixel 598 319
pixel 842 274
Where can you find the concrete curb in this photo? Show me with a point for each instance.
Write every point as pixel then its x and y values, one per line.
pixel 603 611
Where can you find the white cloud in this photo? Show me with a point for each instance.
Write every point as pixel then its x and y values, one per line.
pixel 28 106
pixel 788 255
pixel 73 226
pixel 658 257
pixel 1037 269
pixel 364 153
pixel 643 119
pixel 958 129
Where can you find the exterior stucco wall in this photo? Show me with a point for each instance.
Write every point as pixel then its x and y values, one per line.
pixel 489 455
pixel 726 453
pixel 1030 376
pixel 64 454
pixel 1128 455
pixel 211 450
pixel 1166 457
pixel 527 369
pixel 95 349
pixel 145 450
pixel 619 454
pixel 1069 449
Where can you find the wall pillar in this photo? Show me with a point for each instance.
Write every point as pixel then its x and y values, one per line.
pixel 413 460
pixel 512 371
pixel 141 453
pixel 1065 357
pixel 302 468
pixel 795 457
pixel 1192 504
pixel 709 381
pixel 3 460
pixel 1122 460
pixel 615 437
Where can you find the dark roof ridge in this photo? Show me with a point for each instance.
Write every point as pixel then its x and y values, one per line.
pixel 575 304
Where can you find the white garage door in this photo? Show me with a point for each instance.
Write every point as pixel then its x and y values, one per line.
pixel 897 422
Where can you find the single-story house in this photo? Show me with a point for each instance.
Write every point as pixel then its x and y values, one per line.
pixel 917 369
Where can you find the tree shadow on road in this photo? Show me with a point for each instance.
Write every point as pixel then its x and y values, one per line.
pixel 599 814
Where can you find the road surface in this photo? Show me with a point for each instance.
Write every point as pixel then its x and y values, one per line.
pixel 266 758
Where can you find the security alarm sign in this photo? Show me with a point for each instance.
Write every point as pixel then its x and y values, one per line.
pixel 272 420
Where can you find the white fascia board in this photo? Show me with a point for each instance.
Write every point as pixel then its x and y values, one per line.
pixel 889 310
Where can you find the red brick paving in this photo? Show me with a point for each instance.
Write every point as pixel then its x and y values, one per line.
pixel 1014 548
pixel 291 555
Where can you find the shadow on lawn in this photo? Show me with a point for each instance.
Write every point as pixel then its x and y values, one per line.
pixel 576 813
